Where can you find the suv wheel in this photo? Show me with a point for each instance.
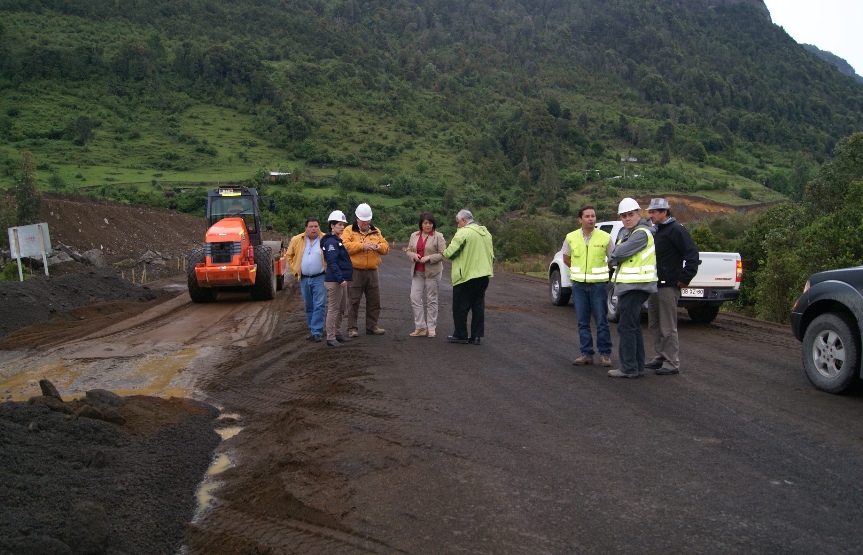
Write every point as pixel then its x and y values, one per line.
pixel 831 355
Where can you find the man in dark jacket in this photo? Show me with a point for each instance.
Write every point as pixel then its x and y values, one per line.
pixel 677 262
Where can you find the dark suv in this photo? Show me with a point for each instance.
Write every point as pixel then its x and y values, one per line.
pixel 828 319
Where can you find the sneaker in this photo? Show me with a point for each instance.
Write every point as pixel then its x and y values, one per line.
pixel 375 331
pixel 617 373
pixel 353 332
pixel 419 333
pixel 663 371
pixel 605 360
pixel 583 360
pixel 654 364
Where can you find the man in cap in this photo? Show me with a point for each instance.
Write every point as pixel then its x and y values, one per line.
pixel 306 260
pixel 472 255
pixel 366 245
pixel 635 258
pixel 585 251
pixel 677 261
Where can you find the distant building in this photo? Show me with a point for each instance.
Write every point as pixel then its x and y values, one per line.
pixel 275 176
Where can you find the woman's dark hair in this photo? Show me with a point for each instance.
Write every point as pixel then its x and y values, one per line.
pixel 427 216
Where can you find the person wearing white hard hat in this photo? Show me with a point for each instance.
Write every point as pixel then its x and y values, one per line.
pixel 306 260
pixel 338 275
pixel 366 245
pixel 634 256
pixel 677 259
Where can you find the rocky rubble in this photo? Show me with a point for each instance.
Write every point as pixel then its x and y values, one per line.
pixel 98 404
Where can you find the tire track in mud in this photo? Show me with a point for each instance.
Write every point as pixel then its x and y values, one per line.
pixel 162 351
pixel 311 424
pixel 238 531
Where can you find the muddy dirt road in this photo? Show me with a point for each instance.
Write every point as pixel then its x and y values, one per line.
pixel 397 444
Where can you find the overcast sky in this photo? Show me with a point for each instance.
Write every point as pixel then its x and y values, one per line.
pixel 832 25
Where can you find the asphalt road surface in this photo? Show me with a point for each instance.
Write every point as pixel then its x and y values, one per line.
pixel 393 444
pixel 400 444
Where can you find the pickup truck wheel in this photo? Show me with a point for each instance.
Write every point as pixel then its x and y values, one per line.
pixel 831 355
pixel 559 295
pixel 264 288
pixel 197 293
pixel 702 314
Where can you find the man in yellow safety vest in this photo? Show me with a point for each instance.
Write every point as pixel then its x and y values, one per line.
pixel 635 258
pixel 585 251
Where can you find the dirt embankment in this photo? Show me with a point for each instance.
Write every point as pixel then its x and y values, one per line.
pixel 688 208
pixel 71 482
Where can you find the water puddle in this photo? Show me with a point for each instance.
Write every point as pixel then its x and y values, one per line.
pixel 206 493
pixel 229 432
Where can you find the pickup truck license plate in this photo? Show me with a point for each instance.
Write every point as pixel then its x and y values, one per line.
pixel 687 292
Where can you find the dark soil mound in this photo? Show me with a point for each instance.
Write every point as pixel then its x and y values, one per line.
pixel 44 298
pixel 74 484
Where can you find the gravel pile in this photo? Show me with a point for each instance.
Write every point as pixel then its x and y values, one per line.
pixel 74 483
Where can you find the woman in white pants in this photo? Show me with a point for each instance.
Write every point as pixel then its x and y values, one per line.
pixel 425 250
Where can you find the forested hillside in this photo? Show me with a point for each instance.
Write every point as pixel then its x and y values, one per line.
pixel 841 64
pixel 509 107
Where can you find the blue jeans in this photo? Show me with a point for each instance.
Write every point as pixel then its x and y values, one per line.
pixel 630 343
pixel 589 298
pixel 315 298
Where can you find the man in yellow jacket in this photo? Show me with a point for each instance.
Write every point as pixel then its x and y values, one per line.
pixel 306 260
pixel 366 244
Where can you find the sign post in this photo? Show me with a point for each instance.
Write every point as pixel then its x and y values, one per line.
pixel 30 240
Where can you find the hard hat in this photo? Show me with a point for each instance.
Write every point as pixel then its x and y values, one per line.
pixel 658 204
pixel 364 212
pixel 627 205
pixel 337 216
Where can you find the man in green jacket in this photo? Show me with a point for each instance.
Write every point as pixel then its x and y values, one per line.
pixel 471 253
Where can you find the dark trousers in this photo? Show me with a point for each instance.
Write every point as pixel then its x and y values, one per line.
pixel 630 343
pixel 469 297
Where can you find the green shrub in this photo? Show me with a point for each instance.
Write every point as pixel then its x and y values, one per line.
pixel 10 272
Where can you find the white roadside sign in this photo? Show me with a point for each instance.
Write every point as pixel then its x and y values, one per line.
pixel 30 240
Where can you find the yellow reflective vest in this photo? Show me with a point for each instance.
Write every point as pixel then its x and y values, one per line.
pixel 641 266
pixel 587 261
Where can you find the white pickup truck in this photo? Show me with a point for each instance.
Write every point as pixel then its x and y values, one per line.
pixel 717 281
